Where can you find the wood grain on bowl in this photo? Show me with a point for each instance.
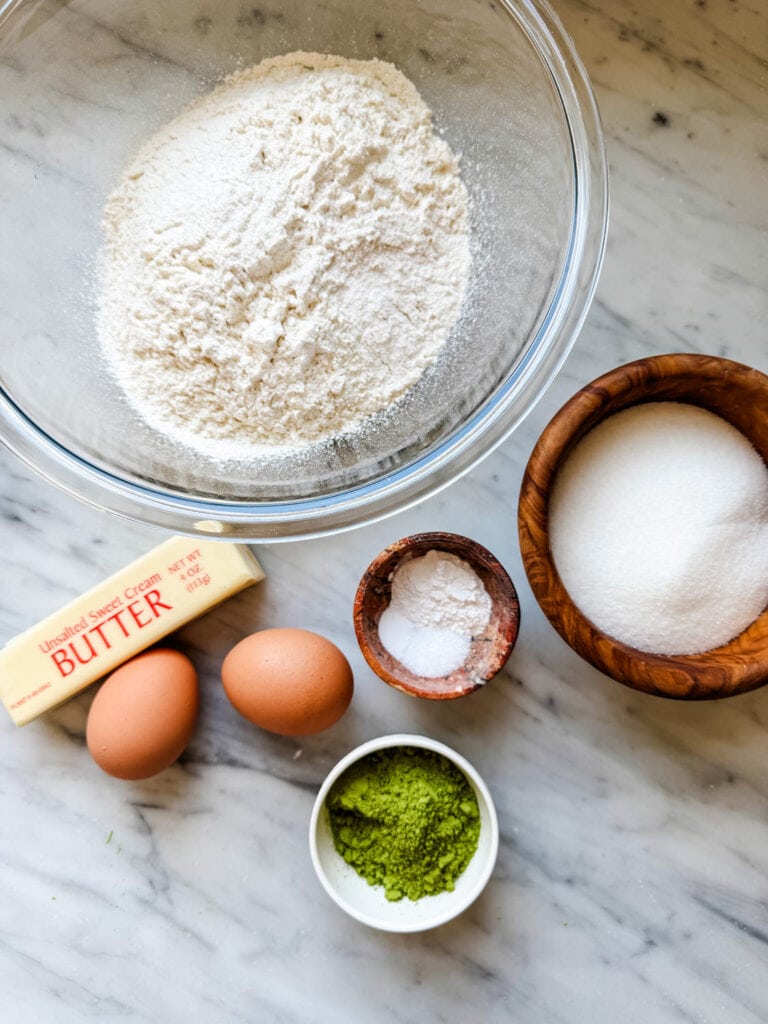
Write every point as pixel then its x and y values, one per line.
pixel 739 395
pixel 488 652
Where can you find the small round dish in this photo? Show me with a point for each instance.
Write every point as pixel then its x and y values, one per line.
pixel 731 390
pixel 489 651
pixel 367 903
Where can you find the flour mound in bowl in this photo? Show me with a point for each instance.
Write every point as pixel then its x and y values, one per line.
pixel 285 258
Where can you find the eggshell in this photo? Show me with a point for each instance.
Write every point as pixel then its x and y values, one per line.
pixel 289 681
pixel 143 716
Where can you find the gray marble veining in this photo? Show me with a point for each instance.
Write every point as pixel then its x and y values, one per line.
pixel 632 882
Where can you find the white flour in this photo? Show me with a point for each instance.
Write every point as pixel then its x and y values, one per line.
pixel 438 604
pixel 285 258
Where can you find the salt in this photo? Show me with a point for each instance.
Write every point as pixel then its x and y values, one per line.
pixel 438 604
pixel 659 528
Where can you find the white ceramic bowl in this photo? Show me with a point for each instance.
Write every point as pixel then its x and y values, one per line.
pixel 367 903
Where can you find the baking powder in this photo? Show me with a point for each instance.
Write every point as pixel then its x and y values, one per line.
pixel 438 604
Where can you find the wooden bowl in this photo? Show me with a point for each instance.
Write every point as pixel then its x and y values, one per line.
pixel 735 392
pixel 488 652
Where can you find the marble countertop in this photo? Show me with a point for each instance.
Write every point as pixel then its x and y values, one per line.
pixel 632 880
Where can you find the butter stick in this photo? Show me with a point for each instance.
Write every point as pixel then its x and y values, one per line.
pixel 156 594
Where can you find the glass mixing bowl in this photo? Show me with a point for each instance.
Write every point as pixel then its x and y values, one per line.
pixel 82 82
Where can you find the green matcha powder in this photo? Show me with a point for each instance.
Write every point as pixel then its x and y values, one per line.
pixel 406 819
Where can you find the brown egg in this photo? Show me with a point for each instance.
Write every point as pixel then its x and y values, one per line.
pixel 288 681
pixel 143 716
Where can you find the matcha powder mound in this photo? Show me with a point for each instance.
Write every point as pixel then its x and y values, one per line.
pixel 406 819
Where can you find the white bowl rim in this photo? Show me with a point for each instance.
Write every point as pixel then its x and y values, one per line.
pixel 490 840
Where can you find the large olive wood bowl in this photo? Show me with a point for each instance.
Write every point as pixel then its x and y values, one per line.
pixel 735 392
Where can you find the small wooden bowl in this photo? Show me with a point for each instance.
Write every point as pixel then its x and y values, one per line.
pixel 488 652
pixel 735 392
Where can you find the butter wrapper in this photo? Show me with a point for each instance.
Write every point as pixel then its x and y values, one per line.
pixel 133 609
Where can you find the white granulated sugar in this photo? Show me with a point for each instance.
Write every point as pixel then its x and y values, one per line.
pixel 285 258
pixel 659 528
pixel 438 604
